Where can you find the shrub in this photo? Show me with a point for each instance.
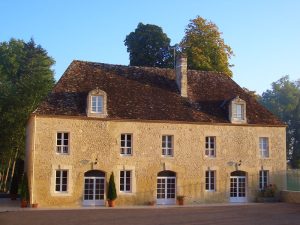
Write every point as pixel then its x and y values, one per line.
pixel 25 189
pixel 111 193
pixel 269 191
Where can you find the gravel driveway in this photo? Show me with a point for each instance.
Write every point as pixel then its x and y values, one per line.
pixel 252 214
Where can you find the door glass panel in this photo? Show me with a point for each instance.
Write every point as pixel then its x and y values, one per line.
pixel 237 187
pixel 94 188
pixel 166 188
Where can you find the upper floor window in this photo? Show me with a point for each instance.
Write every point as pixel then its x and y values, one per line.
pixel 97 104
pixel 125 181
pixel 62 143
pixel 237 111
pixel 210 146
pixel 210 180
pixel 126 144
pixel 167 145
pixel 61 180
pixel 263 179
pixel 264 147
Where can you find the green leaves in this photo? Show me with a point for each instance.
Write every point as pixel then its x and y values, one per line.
pixel 204 47
pixel 25 79
pixel 149 46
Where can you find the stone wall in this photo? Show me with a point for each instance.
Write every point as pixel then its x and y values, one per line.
pixel 95 144
pixel 290 196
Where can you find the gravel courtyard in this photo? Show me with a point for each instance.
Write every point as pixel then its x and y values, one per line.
pixel 258 214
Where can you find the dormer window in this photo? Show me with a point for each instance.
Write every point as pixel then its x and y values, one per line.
pixel 237 111
pixel 96 103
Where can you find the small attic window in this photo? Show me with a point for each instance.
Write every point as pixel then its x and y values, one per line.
pixel 237 111
pixel 96 103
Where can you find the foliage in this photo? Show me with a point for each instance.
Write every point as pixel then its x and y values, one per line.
pixel 149 46
pixel 283 99
pixel 111 193
pixel 25 188
pixel 269 191
pixel 14 185
pixel 180 197
pixel 17 177
pixel 25 79
pixel 204 47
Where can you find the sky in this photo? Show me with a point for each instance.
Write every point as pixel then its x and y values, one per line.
pixel 263 34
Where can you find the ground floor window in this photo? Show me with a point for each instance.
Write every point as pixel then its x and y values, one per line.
pixel 263 179
pixel 61 180
pixel 125 181
pixel 210 180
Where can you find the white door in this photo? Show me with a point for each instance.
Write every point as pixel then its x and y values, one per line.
pixel 166 190
pixel 94 191
pixel 238 192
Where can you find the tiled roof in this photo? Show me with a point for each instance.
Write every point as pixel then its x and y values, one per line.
pixel 146 93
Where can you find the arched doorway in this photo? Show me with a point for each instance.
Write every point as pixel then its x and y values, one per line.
pixel 166 188
pixel 94 188
pixel 238 186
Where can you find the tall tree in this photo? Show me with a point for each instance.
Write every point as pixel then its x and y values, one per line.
pixel 25 79
pixel 148 45
pixel 283 99
pixel 204 47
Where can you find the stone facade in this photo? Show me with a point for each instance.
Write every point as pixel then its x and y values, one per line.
pixel 95 145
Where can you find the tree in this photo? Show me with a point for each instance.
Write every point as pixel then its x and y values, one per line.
pixel 284 101
pixel 25 79
pixel 111 193
pixel 204 47
pixel 149 46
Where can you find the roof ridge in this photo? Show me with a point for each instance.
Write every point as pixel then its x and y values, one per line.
pixel 146 67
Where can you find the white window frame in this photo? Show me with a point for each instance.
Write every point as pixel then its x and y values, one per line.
pixel 210 152
pixel 98 106
pixel 263 179
pixel 264 147
pixel 210 181
pixel 62 148
pixel 239 114
pixel 167 145
pixel 125 183
pixel 59 183
pixel 126 149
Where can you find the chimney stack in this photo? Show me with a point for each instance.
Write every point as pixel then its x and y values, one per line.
pixel 181 75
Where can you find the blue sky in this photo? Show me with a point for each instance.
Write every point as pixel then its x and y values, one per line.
pixel 263 34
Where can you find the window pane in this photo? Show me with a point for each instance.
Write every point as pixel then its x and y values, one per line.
pixel 65 173
pixel 129 137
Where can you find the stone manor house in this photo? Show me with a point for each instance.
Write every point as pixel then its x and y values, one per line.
pixel 162 132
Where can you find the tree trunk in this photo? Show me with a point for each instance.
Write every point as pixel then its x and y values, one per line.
pixel 6 176
pixel 14 165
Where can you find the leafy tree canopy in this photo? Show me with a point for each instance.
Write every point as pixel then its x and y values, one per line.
pixel 204 47
pixel 25 79
pixel 283 99
pixel 149 46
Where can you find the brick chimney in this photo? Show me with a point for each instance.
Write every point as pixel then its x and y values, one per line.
pixel 181 75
